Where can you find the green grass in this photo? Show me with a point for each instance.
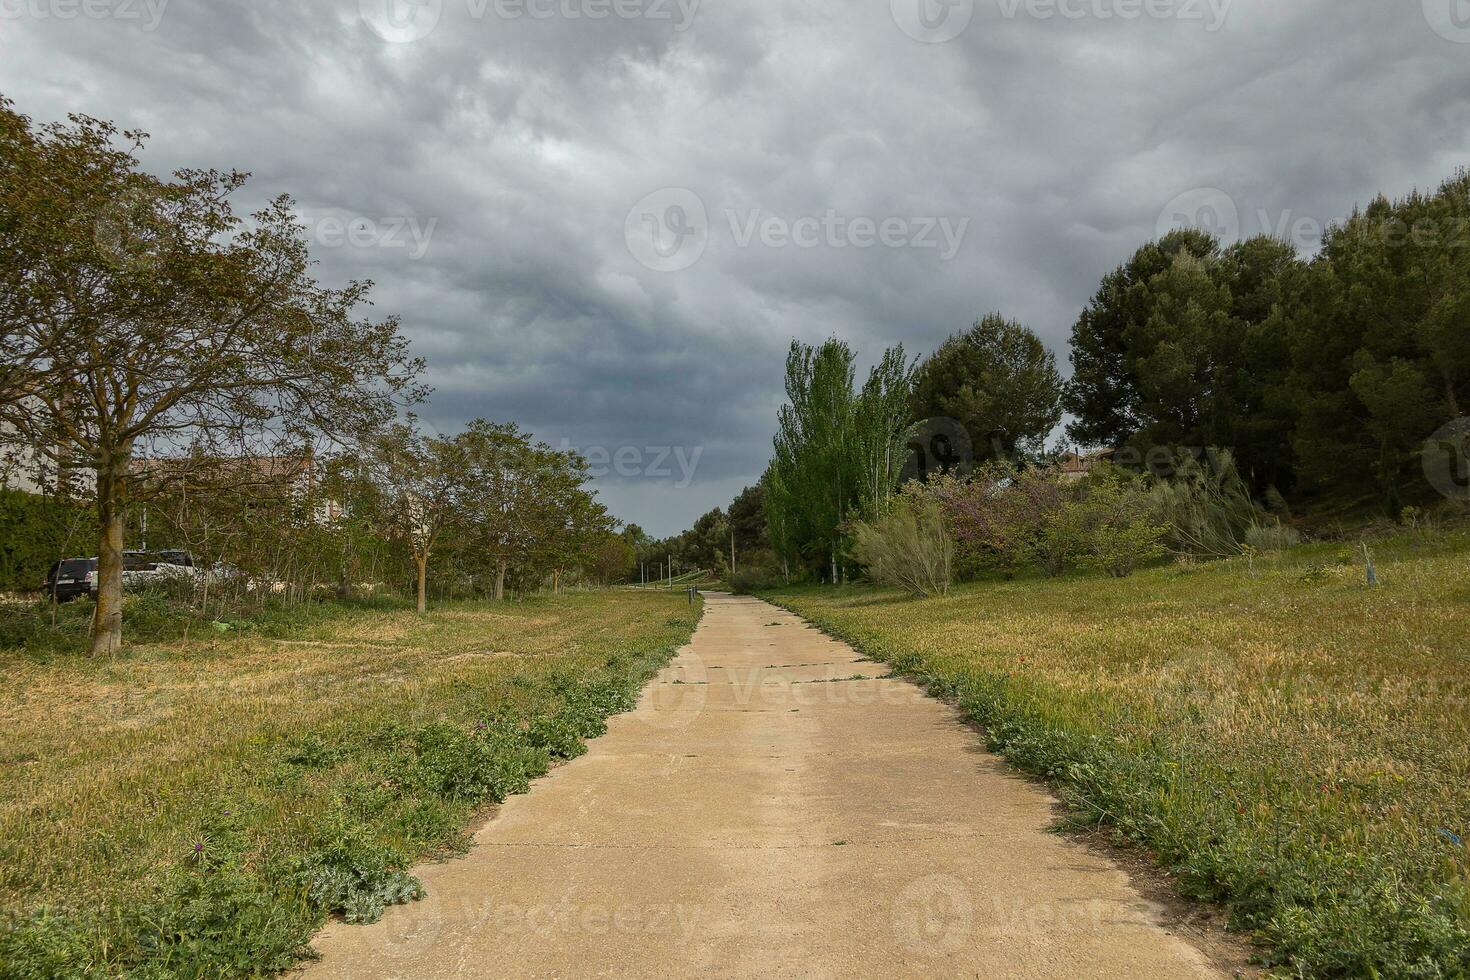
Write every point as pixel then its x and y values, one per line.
pixel 1288 741
pixel 198 808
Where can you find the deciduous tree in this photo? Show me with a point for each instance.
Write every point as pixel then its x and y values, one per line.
pixel 144 316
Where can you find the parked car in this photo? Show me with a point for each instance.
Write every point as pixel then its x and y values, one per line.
pixel 144 567
pixel 180 558
pixel 71 578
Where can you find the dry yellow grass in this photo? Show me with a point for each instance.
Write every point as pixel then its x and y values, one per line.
pixel 1289 740
pixel 110 767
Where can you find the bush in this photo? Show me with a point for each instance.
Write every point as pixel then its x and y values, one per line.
pixel 909 547
pixel 1108 528
pixel 746 581
pixel 1000 515
pixel 1272 537
pixel 36 531
pixel 1205 505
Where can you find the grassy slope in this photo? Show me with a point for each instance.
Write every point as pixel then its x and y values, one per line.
pixel 196 809
pixel 1289 741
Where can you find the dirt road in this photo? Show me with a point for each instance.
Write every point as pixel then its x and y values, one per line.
pixel 774 807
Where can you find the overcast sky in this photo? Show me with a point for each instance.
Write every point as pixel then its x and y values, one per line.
pixel 607 219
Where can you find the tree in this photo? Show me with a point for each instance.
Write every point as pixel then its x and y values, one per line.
pixel 837 452
pixel 1380 358
pixel 506 492
pixel 417 490
pixel 999 381
pixel 611 559
pixel 1184 347
pixel 1104 391
pixel 747 516
pixel 144 315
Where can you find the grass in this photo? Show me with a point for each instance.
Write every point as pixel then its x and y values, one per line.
pixel 1286 740
pixel 197 809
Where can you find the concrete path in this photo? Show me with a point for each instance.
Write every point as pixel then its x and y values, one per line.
pixel 766 813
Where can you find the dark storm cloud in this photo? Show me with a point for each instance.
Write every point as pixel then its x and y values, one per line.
pixel 483 172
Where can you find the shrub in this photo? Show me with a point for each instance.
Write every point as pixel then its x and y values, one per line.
pixel 1272 537
pixel 489 764
pixel 999 517
pixel 1109 528
pixel 909 547
pixel 746 581
pixel 1205 505
pixel 351 873
pixel 36 531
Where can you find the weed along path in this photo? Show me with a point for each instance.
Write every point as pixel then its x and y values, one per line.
pixel 775 806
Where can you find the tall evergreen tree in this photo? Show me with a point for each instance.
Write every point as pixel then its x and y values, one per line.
pixel 999 381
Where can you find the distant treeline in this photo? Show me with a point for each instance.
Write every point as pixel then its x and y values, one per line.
pixel 1329 382
pixel 1323 376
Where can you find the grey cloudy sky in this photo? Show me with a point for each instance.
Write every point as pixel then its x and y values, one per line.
pixel 607 219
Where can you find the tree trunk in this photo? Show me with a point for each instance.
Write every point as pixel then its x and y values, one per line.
pixel 107 618
pixel 423 568
pixel 499 581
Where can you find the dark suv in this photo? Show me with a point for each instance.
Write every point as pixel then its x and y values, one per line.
pixel 70 579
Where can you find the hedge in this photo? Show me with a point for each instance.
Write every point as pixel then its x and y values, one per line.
pixel 36 531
